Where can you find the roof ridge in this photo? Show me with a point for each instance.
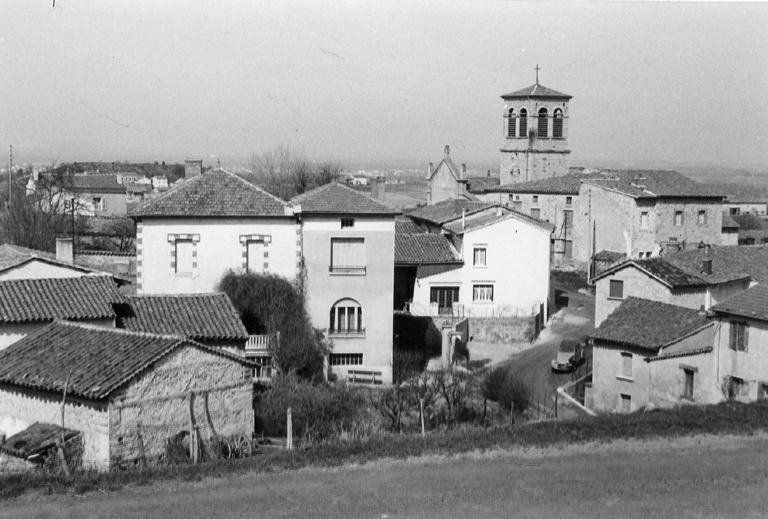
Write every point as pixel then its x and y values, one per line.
pixel 177 296
pixel 122 331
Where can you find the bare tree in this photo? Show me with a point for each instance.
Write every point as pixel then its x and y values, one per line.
pixel 422 391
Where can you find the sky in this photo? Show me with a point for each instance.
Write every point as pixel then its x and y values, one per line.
pixel 378 80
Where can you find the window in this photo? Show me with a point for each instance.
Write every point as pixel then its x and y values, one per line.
pixel 762 391
pixel 568 219
pixel 535 199
pixel 702 218
pixel 183 256
pixel 478 258
pixel 616 289
pixel 523 126
pixel 626 403
pixel 100 204
pixel 543 132
pixel 347 255
pixel 644 220
pixel 739 336
pixel 736 387
pixel 557 124
pixel 444 297
pixel 346 318
pixel 688 377
pixel 678 218
pixel 347 222
pixel 535 212
pixel 255 256
pixel 626 364
pixel 264 369
pixel 735 211
pixel 482 293
pixel 346 359
pixel 511 123
pixel 568 200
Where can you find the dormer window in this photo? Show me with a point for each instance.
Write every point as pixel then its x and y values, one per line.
pixel 523 126
pixel 347 222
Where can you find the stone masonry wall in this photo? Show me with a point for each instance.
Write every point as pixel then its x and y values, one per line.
pixel 156 407
pixel 20 408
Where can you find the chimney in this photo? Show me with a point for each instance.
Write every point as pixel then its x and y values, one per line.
pixel 65 252
pixel 463 170
pixel 378 188
pixel 193 168
pixel 706 263
pixel 430 170
pixel 447 150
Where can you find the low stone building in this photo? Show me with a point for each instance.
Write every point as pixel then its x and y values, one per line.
pixel 27 305
pixel 651 354
pixel 127 393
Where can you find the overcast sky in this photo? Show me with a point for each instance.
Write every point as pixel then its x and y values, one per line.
pixel 139 79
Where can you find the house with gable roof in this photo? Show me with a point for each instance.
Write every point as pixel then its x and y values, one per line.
pixel 189 236
pixel 127 393
pixel 347 246
pixel 505 262
pixel 695 279
pixel 446 181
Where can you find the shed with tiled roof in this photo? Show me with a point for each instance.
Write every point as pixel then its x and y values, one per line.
pixel 424 249
pixel 122 387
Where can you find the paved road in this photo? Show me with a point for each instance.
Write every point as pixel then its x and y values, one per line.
pixel 686 478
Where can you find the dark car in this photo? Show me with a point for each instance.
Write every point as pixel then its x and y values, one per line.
pixel 569 355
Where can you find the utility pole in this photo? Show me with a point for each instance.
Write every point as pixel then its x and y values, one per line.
pixel 73 230
pixel 10 176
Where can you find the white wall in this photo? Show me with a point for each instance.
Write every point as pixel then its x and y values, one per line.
pixel 750 365
pixel 218 250
pixel 517 265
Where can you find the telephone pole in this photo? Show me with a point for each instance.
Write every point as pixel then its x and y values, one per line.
pixel 10 176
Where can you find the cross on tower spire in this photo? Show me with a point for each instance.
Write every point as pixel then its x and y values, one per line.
pixel 537 73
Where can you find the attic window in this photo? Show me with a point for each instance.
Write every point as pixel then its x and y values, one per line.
pixel 347 222
pixel 535 199
pixel 568 200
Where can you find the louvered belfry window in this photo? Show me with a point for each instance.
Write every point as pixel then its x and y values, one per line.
pixel 523 123
pixel 557 124
pixel 543 124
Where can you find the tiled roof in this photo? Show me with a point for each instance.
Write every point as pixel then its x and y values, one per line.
pixel 652 184
pixel 419 249
pixel 751 303
pixel 482 184
pixel 565 185
pixel 85 297
pixel 728 263
pixel 193 316
pixel 12 256
pixel 97 360
pixel 95 183
pixel 536 90
pixel 404 225
pixel 610 255
pixel 448 210
pixel 335 198
pixel 684 269
pixel 758 234
pixel 479 220
pixel 36 438
pixel 214 193
pixel 649 324
pixel 728 222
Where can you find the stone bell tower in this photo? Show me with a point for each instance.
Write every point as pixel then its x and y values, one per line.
pixel 535 143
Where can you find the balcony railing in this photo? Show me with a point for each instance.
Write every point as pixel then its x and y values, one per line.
pixel 258 343
pixel 359 332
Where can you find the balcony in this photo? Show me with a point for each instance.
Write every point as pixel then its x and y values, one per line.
pixel 359 332
pixel 258 343
pixel 347 270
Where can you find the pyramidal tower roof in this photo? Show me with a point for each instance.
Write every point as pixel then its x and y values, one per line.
pixel 536 91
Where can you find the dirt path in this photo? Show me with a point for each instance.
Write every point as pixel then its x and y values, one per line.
pixel 694 477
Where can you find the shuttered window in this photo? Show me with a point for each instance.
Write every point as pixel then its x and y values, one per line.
pixel 557 124
pixel 184 256
pixel 511 123
pixel 523 123
pixel 626 403
pixel 478 259
pixel 543 132
pixel 688 376
pixel 626 365
pixel 255 256
pixel 739 336
pixel 347 255
pixel 616 289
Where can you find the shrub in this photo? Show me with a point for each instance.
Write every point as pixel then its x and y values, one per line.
pixel 519 396
pixel 318 411
pixel 270 304
pixel 455 387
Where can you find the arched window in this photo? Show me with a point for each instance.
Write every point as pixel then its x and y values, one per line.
pixel 557 124
pixel 523 123
pixel 511 123
pixel 543 132
pixel 346 318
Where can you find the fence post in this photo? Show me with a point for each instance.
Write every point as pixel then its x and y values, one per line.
pixel 289 432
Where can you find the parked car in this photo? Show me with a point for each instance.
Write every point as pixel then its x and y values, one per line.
pixel 569 355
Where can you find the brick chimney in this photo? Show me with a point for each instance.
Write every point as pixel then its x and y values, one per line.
pixel 463 170
pixel 706 262
pixel 378 188
pixel 65 251
pixel 447 150
pixel 193 168
pixel 430 170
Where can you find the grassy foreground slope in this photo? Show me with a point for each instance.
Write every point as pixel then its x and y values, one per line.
pixel 728 418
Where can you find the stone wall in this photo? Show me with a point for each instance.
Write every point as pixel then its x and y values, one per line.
pixel 20 408
pixel 503 330
pixel 156 406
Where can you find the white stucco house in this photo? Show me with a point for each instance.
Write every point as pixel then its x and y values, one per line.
pixel 505 269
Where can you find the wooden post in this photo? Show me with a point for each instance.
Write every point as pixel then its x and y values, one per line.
pixel 60 442
pixel 289 432
pixel 140 440
pixel 192 430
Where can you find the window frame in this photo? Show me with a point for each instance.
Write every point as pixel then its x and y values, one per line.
pixel 352 270
pixel 644 220
pixel 681 214
pixel 475 262
pixel 612 293
pixel 347 222
pixel 339 323
pixel 738 336
pixel 523 126
pixel 346 359
pixel 627 365
pixel 191 244
pixel 701 217
pixel 568 200
pixel 558 124
pixel 542 117
pixel 689 382
pixel 511 124
pixel 482 293
pixel 626 402
pixel 258 259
